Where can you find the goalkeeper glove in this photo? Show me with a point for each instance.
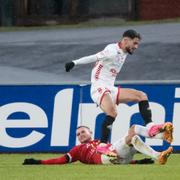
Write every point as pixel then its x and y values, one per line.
pixel 31 161
pixel 144 161
pixel 69 66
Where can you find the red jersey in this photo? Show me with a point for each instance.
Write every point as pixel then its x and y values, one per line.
pixel 88 153
pixel 85 153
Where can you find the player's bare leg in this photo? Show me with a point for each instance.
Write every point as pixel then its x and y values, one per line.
pixel 109 108
pixel 132 95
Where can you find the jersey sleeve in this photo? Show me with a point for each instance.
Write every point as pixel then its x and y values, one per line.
pixel 86 60
pixel 105 54
pixel 73 154
pixel 59 160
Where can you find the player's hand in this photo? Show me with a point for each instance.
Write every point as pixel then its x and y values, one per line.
pixel 145 161
pixel 69 66
pixel 31 161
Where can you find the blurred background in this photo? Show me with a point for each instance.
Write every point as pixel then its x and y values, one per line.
pixel 52 32
pixel 41 12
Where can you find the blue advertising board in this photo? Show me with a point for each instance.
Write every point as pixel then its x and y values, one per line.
pixel 43 118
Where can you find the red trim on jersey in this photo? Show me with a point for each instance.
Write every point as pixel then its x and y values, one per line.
pixel 119 88
pixel 104 95
pixel 98 71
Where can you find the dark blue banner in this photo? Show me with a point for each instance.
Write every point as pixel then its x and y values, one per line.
pixel 43 118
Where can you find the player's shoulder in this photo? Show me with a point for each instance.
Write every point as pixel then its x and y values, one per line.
pixel 111 47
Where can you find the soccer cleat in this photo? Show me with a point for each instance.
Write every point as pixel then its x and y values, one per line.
pixel 106 149
pixel 167 130
pixel 155 129
pixel 164 155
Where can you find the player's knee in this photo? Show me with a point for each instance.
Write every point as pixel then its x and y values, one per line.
pixel 132 128
pixel 131 131
pixel 113 112
pixel 142 96
pixel 130 136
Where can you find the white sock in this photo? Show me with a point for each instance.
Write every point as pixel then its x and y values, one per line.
pixel 149 125
pixel 140 146
pixel 141 130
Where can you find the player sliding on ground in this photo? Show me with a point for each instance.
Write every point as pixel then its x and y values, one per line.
pixel 121 152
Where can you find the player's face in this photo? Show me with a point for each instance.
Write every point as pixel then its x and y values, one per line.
pixel 83 134
pixel 131 45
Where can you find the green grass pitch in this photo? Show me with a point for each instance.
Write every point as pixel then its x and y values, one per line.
pixel 11 168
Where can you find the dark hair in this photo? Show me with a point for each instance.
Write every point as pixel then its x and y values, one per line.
pixel 132 34
pixel 82 127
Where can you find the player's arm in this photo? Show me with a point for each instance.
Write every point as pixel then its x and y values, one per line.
pixel 83 60
pixel 71 156
pixel 61 160
pixel 102 55
pixel 142 161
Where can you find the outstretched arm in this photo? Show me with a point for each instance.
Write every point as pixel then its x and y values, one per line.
pixel 71 156
pixel 102 55
pixel 60 160
pixel 83 60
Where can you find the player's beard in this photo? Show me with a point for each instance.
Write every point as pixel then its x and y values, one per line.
pixel 129 50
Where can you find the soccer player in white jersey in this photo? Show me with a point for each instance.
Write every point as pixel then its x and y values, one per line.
pixel 103 92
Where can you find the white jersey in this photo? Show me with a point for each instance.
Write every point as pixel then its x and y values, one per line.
pixel 108 64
